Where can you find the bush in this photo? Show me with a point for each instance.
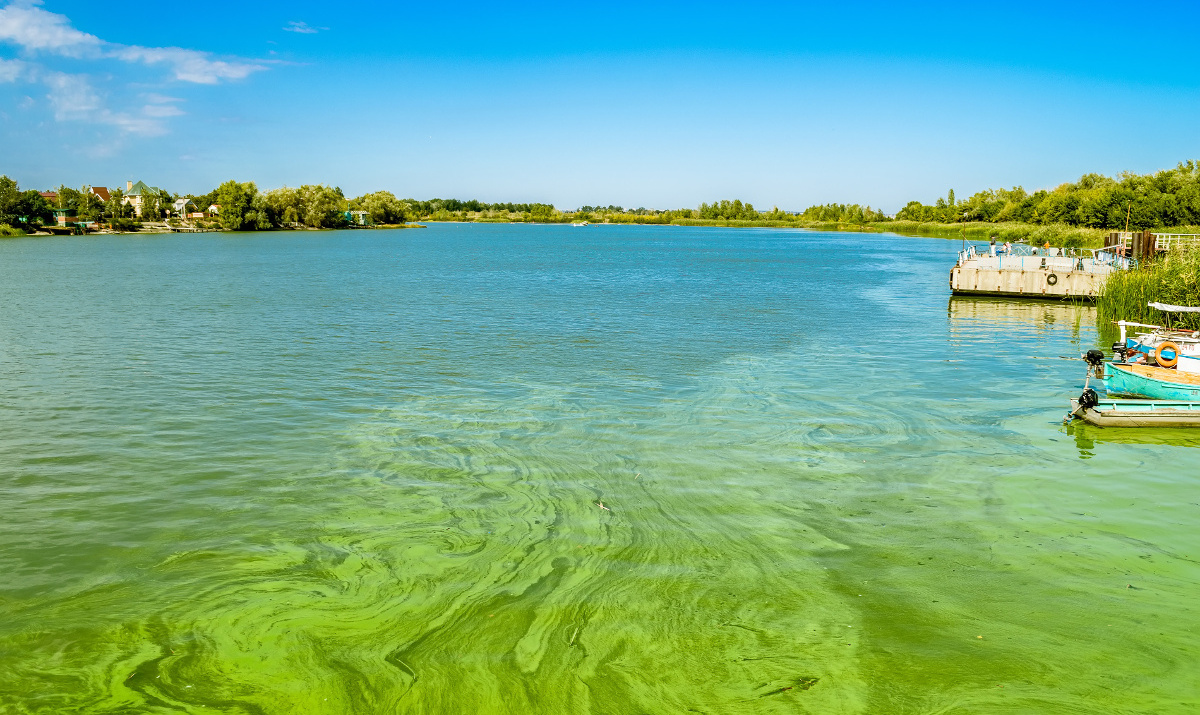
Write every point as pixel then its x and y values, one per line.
pixel 9 231
pixel 125 224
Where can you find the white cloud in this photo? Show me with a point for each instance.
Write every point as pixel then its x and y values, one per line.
pixel 303 28
pixel 73 98
pixel 25 23
pixel 71 95
pixel 188 65
pixel 162 110
pixel 11 70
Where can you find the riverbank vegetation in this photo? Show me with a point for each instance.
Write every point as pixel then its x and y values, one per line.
pixel 1173 278
pixel 1075 214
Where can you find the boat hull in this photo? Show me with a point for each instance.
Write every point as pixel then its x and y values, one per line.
pixel 1149 383
pixel 1139 413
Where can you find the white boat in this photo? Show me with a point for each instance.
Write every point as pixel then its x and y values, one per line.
pixel 1180 349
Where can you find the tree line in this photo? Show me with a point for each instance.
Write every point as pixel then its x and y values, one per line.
pixel 1138 201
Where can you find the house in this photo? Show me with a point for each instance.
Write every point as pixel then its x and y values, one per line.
pixel 214 210
pixel 180 206
pixel 100 192
pixel 135 192
pixel 51 196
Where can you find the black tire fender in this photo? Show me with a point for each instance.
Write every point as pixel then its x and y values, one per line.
pixel 1052 279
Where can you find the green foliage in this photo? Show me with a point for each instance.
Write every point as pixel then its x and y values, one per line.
pixel 842 213
pixel 7 231
pixel 729 210
pixel 1054 234
pixel 238 211
pixel 382 207
pixel 19 209
pixel 124 224
pixel 317 206
pixel 1173 278
pixel 1167 198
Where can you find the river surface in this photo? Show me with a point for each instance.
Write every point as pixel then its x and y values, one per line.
pixel 547 469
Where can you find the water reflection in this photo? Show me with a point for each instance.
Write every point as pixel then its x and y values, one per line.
pixel 1088 436
pixel 973 313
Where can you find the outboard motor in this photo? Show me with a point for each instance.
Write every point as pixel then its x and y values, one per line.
pixel 1088 399
pixel 1120 351
pixel 1095 362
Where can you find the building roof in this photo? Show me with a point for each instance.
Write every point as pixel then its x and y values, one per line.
pixel 181 203
pixel 101 192
pixel 141 188
pixel 49 195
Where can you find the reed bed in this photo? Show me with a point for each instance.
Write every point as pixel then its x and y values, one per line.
pixel 1056 234
pixel 1173 278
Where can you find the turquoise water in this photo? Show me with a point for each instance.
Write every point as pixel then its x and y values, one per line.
pixel 363 472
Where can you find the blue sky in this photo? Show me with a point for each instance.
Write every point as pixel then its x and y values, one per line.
pixel 638 104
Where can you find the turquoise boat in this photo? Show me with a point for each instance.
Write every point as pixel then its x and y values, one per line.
pixel 1149 382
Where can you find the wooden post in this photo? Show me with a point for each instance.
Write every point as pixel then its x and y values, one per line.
pixel 1147 245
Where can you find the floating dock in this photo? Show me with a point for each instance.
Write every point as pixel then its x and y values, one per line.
pixel 1026 271
pixel 1034 273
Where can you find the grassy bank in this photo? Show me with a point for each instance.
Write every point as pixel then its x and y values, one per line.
pixel 7 231
pixel 1173 279
pixel 1056 234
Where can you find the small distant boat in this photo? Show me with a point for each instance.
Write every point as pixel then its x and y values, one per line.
pixel 1136 413
pixel 581 223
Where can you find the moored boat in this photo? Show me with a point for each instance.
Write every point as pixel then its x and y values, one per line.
pixel 1151 382
pixel 1137 413
pixel 1163 346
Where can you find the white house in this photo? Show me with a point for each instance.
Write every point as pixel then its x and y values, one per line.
pixel 180 207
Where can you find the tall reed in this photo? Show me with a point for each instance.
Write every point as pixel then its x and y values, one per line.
pixel 1174 279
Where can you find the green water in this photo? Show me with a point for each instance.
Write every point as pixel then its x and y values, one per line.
pixel 362 472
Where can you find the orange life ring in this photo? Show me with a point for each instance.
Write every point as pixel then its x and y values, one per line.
pixel 1162 361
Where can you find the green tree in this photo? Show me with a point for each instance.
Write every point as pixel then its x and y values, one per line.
pixel 22 208
pixel 382 207
pixel 322 207
pixel 238 212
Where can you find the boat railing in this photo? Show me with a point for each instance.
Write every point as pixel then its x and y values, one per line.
pixel 1028 258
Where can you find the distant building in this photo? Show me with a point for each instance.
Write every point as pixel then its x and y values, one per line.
pixel 135 192
pixel 51 196
pixel 180 207
pixel 214 210
pixel 100 192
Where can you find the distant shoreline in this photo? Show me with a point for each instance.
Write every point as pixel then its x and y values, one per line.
pixel 1059 235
